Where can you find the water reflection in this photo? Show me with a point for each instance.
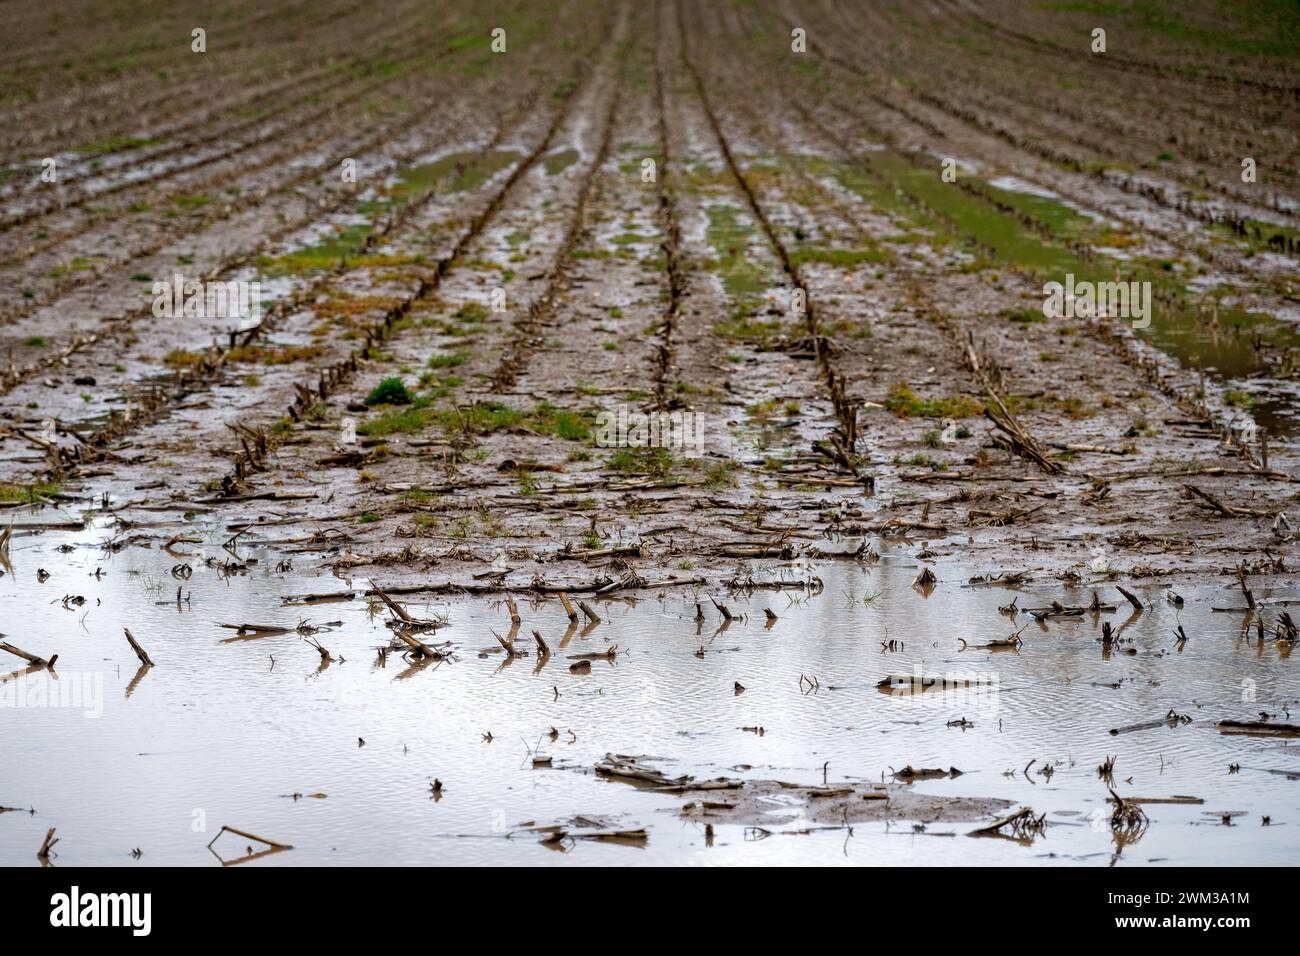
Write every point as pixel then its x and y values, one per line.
pixel 240 709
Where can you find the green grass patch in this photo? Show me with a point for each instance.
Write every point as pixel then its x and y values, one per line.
pixel 345 245
pixel 115 144
pixel 562 423
pixel 559 162
pixel 391 391
pixel 730 233
pixel 453 173
pixel 842 258
pixel 482 418
pixel 449 359
pixel 400 420
pixel 28 494
pixel 1025 316
pixel 905 403
pixel 653 462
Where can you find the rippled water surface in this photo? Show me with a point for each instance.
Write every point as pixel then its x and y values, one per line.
pixel 225 732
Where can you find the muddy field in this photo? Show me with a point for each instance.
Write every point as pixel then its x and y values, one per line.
pixel 638 431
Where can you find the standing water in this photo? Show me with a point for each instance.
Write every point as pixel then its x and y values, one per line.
pixel 338 758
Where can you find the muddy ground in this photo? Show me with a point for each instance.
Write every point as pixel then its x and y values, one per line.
pixel 737 212
pixel 776 173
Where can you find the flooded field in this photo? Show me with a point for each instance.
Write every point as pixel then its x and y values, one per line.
pixel 338 758
pixel 672 432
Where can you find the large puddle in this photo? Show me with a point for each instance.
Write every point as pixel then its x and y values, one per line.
pixel 227 728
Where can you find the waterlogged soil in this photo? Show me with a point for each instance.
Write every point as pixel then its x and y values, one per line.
pixel 658 210
pixel 525 283
pixel 763 740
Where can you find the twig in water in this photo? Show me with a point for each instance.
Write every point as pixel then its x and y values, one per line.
pixel 140 652
pixel 47 844
pixel 29 658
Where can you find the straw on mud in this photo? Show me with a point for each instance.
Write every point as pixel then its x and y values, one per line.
pixel 617 551
pixel 1014 435
pixel 1227 511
